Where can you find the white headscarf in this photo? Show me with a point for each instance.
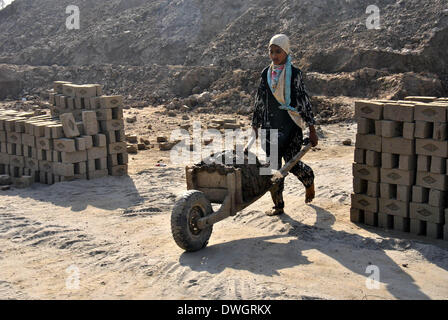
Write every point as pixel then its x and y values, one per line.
pixel 282 41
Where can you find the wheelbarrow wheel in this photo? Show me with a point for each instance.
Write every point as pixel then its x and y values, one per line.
pixel 189 208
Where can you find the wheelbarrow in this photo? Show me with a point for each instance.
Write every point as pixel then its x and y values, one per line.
pixel 192 218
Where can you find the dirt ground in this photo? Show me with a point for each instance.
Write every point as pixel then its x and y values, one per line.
pixel 115 233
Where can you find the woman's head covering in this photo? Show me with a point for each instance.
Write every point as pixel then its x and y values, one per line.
pixel 282 41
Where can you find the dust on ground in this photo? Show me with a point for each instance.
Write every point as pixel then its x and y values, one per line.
pixel 115 232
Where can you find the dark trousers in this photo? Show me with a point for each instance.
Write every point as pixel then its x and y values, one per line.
pixel 288 146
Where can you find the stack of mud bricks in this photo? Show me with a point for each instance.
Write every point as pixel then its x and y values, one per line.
pixel 400 177
pixel 50 149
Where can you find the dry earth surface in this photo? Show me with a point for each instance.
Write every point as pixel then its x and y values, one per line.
pixel 116 232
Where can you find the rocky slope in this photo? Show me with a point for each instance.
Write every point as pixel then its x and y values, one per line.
pixel 158 50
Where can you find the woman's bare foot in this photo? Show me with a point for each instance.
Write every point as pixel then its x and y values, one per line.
pixel 309 194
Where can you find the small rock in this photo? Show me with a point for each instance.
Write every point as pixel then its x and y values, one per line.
pixel 185 117
pixel 166 146
pixel 131 119
pixel 347 142
pixel 171 114
pixel 132 138
pixel 162 139
pixel 141 146
pixel 132 148
pixel 145 141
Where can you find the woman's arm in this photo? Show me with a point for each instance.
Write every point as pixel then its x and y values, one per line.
pixel 306 111
pixel 257 117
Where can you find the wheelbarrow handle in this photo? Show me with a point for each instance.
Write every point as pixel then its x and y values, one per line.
pixel 283 172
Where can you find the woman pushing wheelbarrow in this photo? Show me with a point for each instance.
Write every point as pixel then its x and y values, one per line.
pixel 281 103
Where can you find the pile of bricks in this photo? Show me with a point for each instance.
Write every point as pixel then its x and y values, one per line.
pixel 400 172
pixel 83 138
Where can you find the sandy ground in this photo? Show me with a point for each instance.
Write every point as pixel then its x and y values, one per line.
pixel 49 233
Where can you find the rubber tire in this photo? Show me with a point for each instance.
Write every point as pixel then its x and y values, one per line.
pixel 179 225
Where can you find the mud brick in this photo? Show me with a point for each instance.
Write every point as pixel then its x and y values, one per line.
pixel 51 98
pixel 65 145
pixel 57 156
pixel 80 126
pixel 20 126
pixel 80 168
pixel 99 140
pixel 120 170
pixel 359 185
pixel 434 230
pixel 4 158
pixel 97 164
pixel 74 157
pixel 96 153
pixel 437 198
pixel 398 146
pixel 63 103
pixel 57 131
pixel 433 148
pixel 397 176
pixel 99 89
pixel 82 176
pixel 120 136
pixel 79 103
pixel 59 85
pixel 423 163
pixel 408 130
pixel 363 202
pixel 86 102
pixel 44 143
pixel 80 144
pixel 365 126
pixel 64 169
pixel 32 153
pixel 378 127
pixel 23 182
pixel 97 174
pixel 394 207
pixel 123 158
pixel 440 131
pixel 42 155
pixel 69 125
pixel 371 218
pixel 121 147
pixel 373 158
pixel 95 104
pixel 111 138
pixel 445 232
pixel 432 180
pixel 112 125
pixel 14 149
pixel 423 129
pixel 42 177
pixel 70 103
pixel 401 224
pixel 117 113
pixel 404 193
pixel 373 189
pixel 417 227
pixel 31 163
pixel 28 140
pixel 356 215
pixel 390 129
pixel 368 142
pixel 90 122
pixel 365 172
pixel 13 137
pixel 39 129
pixel 17 161
pixel 2 136
pixel 104 114
pixel 108 102
pixel 50 178
pixel 398 112
pixel 88 140
pixel 45 166
pixel 425 212
pixel 430 112
pixel 10 125
pixel 438 165
pixel 85 91
pixel 407 162
pixel 385 220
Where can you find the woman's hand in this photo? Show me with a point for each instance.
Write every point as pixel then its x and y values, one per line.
pixel 313 136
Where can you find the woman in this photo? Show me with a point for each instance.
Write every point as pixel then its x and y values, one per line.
pixel 282 103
